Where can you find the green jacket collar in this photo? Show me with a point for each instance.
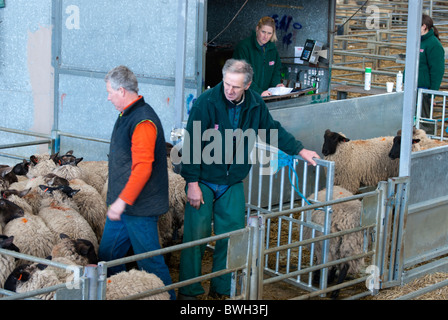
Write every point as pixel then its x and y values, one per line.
pixel 217 98
pixel 428 35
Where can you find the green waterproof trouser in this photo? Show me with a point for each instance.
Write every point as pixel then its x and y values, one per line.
pixel 228 214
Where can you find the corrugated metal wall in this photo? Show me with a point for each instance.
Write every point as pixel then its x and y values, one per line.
pixel 54 56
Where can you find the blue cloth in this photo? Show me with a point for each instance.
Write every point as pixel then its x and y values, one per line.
pixel 142 234
pixel 218 189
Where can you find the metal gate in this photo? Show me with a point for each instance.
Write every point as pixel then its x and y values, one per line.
pixel 284 211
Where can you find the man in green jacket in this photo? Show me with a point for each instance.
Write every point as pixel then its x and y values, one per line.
pixel 214 167
pixel 260 51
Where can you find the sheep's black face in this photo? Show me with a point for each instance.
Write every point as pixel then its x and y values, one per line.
pixel 20 273
pixel 86 249
pixel 9 211
pixel 7 243
pixel 394 152
pixel 331 141
pixel 21 169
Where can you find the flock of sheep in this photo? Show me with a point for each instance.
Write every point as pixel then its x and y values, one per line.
pixel 54 207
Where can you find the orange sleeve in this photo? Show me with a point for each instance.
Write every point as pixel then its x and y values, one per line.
pixel 143 146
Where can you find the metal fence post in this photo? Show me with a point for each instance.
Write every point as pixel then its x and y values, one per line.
pixel 91 273
pixel 256 264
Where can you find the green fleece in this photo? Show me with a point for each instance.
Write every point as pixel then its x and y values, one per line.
pixel 265 62
pixel 432 62
pixel 209 112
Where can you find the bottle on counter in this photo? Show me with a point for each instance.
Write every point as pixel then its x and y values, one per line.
pixel 399 86
pixel 367 78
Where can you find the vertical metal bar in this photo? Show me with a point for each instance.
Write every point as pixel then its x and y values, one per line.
pixel 410 83
pixel 181 53
pixel 201 48
pixel 442 127
pixel 91 273
pixel 56 53
pixel 254 224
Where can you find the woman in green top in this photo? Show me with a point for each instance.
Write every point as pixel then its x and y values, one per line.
pixel 431 65
pixel 260 52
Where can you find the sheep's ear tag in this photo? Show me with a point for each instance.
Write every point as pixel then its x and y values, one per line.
pixel 414 141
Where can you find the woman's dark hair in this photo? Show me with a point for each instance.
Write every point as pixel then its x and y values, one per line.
pixel 427 20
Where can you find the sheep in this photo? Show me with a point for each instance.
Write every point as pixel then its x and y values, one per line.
pixel 61 215
pixel 359 162
pixel 133 282
pixel 420 141
pixel 30 277
pixel 33 276
pixel 345 216
pixel 75 252
pixel 90 203
pixel 35 194
pixel 7 263
pixel 21 169
pixel 95 173
pixel 91 206
pixel 42 165
pixel 171 224
pixel 31 235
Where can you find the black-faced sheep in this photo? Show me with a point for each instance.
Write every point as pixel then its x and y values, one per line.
pixel 133 282
pixel 7 263
pixel 9 211
pixel 31 233
pixel 61 215
pixel 420 141
pixel 21 169
pixel 7 177
pixel 345 216
pixel 30 277
pixel 359 162
pixel 42 165
pixel 34 276
pixel 91 205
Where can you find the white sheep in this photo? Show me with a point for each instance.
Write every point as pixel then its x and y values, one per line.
pixel 61 215
pixel 132 282
pixel 7 263
pixel 345 216
pixel 359 162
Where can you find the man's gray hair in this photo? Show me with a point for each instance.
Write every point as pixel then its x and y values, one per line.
pixel 239 66
pixel 122 77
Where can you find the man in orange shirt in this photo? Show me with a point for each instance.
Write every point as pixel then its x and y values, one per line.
pixel 138 178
